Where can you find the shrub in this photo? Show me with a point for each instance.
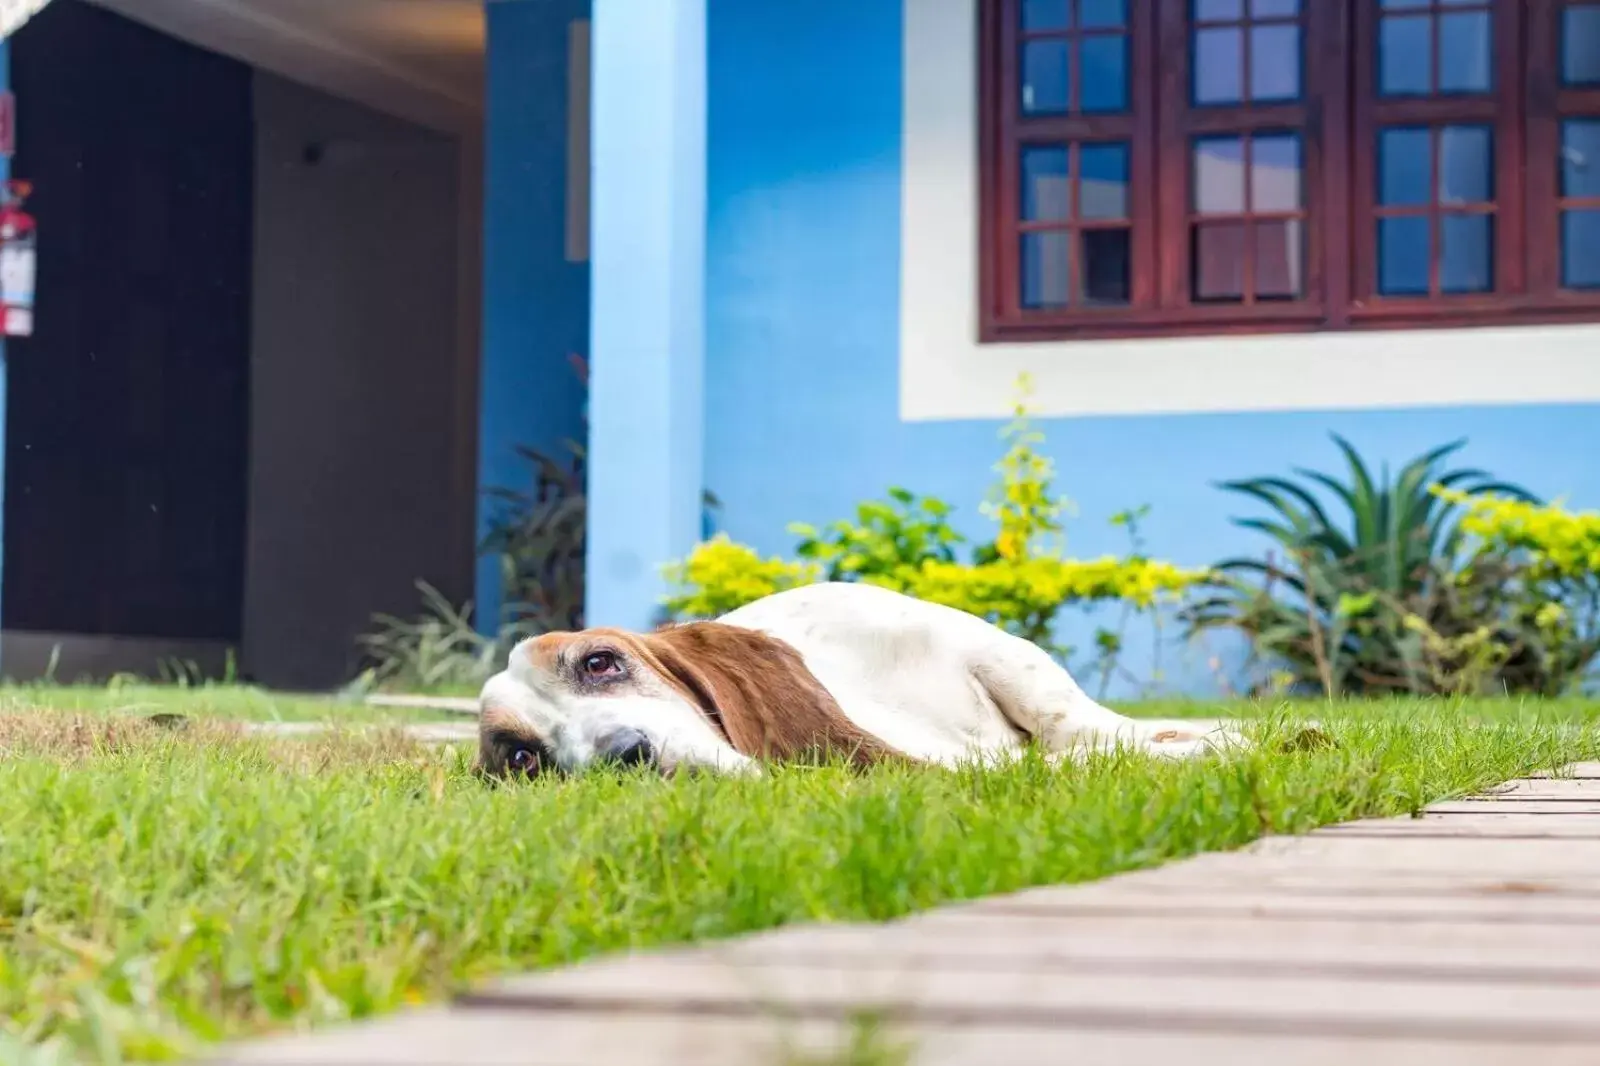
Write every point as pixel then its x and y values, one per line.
pixel 1387 598
pixel 1543 565
pixel 1020 581
pixel 439 650
pixel 720 576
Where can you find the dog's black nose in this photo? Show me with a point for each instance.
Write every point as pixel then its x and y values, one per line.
pixel 628 747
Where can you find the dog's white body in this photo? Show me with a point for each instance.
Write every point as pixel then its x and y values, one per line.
pixel 923 680
pixel 941 685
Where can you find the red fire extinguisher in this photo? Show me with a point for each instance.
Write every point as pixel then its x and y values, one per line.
pixel 18 260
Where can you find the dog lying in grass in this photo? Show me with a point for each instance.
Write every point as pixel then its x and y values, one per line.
pixel 833 669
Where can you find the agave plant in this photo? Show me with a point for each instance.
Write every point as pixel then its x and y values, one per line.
pixel 1365 590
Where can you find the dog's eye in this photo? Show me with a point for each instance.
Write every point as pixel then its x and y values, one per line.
pixel 525 761
pixel 601 663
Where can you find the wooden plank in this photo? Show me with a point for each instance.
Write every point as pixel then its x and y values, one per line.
pixel 1524 858
pixel 1505 825
pixel 712 982
pixel 1548 788
pixel 1517 805
pixel 519 1038
pixel 1174 942
pixel 1479 864
pixel 570 1038
pixel 1585 770
pixel 1247 904
pixel 1320 881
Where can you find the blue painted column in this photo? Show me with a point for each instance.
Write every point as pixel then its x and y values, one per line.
pixel 535 286
pixel 647 306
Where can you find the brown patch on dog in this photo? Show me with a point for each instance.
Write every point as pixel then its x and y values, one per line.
pixel 544 651
pixel 757 690
pixel 1171 734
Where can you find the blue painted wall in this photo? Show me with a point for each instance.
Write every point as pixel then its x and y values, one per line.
pixel 535 303
pixel 802 336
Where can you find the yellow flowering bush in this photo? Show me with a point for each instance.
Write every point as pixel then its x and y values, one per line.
pixel 1020 581
pixel 1545 562
pixel 1561 545
pixel 720 575
pixel 1024 595
pixel 1022 502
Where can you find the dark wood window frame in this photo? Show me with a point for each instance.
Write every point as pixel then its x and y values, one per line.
pixel 1337 117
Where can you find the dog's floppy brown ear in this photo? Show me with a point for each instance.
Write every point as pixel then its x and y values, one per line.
pixel 757 690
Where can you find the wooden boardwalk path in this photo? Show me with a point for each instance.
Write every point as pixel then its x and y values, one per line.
pixel 1467 937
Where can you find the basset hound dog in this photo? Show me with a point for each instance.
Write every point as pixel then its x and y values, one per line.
pixel 850 670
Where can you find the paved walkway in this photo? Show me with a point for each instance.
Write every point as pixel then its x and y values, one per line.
pixel 428 733
pixel 1467 937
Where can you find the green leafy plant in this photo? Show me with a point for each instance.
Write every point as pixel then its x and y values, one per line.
pixel 1368 588
pixel 887 538
pixel 1021 580
pixel 438 650
pixel 721 575
pixel 538 535
pixel 1542 565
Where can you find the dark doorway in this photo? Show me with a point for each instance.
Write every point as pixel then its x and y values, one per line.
pixel 127 424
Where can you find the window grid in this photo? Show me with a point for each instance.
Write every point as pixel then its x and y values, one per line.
pixel 1522 247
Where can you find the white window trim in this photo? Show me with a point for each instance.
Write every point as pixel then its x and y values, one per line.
pixel 946 374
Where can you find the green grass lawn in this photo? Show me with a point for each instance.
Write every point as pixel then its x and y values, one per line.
pixel 238 703
pixel 163 890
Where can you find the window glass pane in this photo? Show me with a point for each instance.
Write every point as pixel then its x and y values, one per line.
pixel 1093 14
pixel 1398 5
pixel 1403 253
pixel 1272 9
pixel 1218 66
pixel 1466 165
pixel 1217 267
pixel 1466 253
pixel 1405 56
pixel 1404 166
pixel 1580 157
pixel 1275 177
pixel 1103 181
pixel 1275 62
pixel 1044 76
pixel 1465 56
pixel 1044 14
pixel 1106 271
pixel 1046 188
pixel 1580 249
pixel 1218 10
pixel 1218 175
pixel 1280 259
pixel 1105 73
pixel 1580 44
pixel 1044 269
